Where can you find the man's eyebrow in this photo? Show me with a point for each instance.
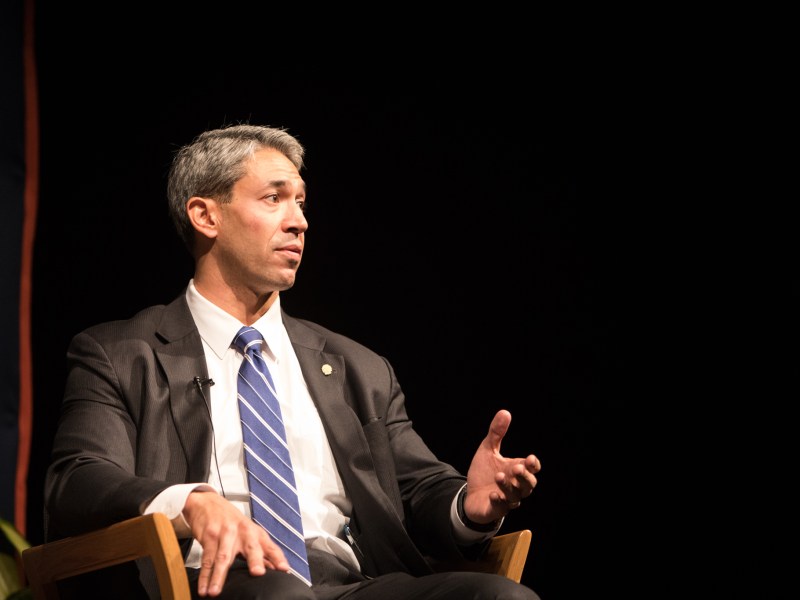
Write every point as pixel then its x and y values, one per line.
pixel 282 183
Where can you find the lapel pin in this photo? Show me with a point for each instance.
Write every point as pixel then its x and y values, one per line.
pixel 327 369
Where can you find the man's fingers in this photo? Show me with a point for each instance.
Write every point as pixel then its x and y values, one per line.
pixel 222 561
pixel 498 429
pixel 276 560
pixel 212 577
pixel 270 555
pixel 262 553
pixel 205 575
pixel 532 463
pixel 516 487
pixel 206 569
pixel 255 559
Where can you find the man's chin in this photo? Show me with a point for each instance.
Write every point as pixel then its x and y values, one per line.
pixel 288 281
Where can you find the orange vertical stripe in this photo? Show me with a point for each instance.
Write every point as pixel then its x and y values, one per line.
pixel 31 198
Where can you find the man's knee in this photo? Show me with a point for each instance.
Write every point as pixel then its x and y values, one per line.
pixel 484 586
pixel 520 592
pixel 269 586
pixel 240 585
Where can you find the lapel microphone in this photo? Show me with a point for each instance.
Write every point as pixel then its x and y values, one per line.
pixel 200 382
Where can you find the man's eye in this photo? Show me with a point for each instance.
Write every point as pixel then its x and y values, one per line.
pixel 301 204
pixel 273 198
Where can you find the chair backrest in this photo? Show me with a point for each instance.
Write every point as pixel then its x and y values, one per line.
pixel 152 536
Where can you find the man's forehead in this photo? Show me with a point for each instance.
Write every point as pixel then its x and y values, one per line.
pixel 271 166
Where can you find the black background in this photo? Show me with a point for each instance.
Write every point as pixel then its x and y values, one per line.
pixel 455 228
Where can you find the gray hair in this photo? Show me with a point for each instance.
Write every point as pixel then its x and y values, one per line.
pixel 214 161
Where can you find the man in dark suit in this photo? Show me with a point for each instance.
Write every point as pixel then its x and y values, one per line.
pixel 150 419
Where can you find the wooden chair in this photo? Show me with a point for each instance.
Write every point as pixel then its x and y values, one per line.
pixel 506 556
pixel 152 536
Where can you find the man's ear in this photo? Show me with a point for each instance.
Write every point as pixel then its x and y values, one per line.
pixel 204 215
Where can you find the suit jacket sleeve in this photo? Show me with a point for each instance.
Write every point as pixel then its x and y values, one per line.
pixel 117 444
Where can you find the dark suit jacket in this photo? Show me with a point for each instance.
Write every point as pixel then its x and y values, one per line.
pixel 133 423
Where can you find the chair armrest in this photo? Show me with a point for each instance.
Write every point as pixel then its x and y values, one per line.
pixel 146 536
pixel 505 556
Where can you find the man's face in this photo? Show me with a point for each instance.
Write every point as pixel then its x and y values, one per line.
pixel 262 230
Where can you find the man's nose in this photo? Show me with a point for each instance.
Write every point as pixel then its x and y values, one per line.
pixel 296 218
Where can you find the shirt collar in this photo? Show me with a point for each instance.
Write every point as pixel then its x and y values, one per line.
pixel 218 328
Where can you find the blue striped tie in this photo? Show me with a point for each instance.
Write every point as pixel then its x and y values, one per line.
pixel 273 494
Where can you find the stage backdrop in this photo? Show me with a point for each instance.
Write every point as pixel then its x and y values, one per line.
pixel 446 232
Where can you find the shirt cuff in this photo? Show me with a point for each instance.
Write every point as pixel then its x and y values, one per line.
pixel 464 535
pixel 171 502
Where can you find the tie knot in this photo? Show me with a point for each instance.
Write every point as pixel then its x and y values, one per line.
pixel 248 339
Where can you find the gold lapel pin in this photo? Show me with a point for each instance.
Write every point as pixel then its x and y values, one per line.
pixel 327 369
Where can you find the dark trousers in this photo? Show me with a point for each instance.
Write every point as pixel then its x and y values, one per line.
pixel 332 582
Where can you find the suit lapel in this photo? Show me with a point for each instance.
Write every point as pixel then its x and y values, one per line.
pixel 182 359
pixel 324 374
pixel 341 423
